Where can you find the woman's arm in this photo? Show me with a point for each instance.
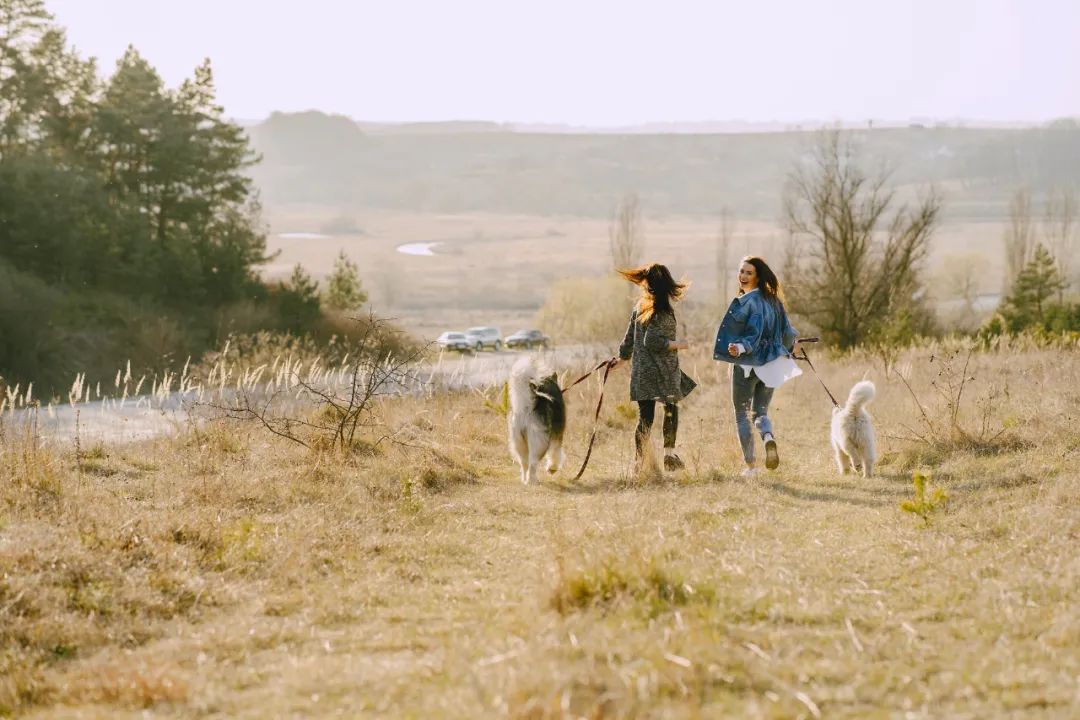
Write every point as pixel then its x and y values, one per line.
pixel 626 349
pixel 755 326
pixel 791 335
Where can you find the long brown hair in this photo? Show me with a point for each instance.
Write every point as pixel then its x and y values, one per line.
pixel 768 283
pixel 658 289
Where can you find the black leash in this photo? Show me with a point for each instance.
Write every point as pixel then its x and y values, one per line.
pixel 606 365
pixel 807 359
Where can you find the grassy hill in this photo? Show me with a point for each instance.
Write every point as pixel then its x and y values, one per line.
pixel 225 572
pixel 312 158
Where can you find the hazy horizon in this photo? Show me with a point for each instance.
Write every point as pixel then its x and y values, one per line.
pixel 609 64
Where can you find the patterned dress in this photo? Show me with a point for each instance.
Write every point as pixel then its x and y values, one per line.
pixel 654 370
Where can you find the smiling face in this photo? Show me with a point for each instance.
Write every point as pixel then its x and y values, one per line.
pixel 748 279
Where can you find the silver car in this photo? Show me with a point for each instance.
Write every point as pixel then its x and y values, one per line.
pixel 484 337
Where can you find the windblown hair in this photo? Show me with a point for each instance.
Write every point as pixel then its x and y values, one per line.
pixel 658 289
pixel 768 283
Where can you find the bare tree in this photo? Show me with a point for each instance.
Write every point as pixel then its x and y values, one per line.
pixel 626 233
pixel 1059 228
pixel 857 269
pixel 724 237
pixel 961 278
pixel 329 407
pixel 1019 236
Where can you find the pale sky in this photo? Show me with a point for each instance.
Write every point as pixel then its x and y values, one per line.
pixel 607 62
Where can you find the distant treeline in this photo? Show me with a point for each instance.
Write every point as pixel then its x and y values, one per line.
pixel 454 167
pixel 129 226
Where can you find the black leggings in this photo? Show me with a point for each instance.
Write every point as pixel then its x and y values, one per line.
pixel 646 415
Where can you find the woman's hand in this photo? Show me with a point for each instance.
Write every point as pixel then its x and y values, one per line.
pixel 733 350
pixel 678 345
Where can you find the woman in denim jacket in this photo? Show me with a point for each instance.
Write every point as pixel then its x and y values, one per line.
pixel 758 339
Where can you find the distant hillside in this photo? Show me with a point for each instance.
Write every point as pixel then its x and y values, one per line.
pixel 319 159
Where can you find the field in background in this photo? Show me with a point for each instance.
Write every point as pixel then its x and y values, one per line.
pixel 490 269
pixel 223 572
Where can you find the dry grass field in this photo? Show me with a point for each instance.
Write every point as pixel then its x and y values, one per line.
pixel 223 572
pixel 491 269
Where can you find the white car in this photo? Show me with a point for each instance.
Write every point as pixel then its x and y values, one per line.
pixel 453 341
pixel 484 337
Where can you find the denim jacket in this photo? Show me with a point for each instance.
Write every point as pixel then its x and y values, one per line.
pixel 760 326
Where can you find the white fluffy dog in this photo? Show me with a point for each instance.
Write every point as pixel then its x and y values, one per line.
pixel 853 431
pixel 537 418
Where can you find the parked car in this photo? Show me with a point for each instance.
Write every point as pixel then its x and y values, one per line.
pixel 484 337
pixel 528 339
pixel 454 341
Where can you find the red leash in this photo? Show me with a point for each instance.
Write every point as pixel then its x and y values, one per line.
pixel 586 376
pixel 606 365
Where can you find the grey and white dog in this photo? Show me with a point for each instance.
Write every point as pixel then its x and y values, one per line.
pixel 853 431
pixel 537 418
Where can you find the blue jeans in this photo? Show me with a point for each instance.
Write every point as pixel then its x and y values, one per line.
pixel 751 399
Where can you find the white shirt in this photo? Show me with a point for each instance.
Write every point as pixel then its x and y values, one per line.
pixel 773 373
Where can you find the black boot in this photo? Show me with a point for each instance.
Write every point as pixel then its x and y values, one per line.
pixel 673 462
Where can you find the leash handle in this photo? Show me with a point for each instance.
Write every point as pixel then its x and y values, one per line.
pixel 807 359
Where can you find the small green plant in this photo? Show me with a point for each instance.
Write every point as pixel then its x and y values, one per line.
pixel 241 543
pixel 502 407
pixel 623 418
pixel 409 498
pixel 923 505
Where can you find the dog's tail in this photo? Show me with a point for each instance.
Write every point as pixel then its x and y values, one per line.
pixel 861 395
pixel 521 375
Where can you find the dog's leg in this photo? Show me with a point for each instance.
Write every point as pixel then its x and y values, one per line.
pixel 859 459
pixel 555 456
pixel 867 467
pixel 843 462
pixel 870 451
pixel 519 445
pixel 538 447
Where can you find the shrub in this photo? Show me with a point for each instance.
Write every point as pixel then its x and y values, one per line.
pixel 586 309
pixel 649 585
